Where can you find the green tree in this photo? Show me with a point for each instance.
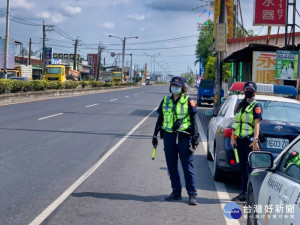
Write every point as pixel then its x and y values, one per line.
pixel 226 71
pixel 210 68
pixel 205 40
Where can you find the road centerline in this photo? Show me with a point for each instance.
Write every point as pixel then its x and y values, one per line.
pixel 91 105
pixel 113 100
pixel 43 118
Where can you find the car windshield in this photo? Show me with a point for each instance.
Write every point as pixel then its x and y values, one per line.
pixel 207 84
pixel 280 111
pixel 53 70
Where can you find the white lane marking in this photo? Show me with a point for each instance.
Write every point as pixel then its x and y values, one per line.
pixel 54 205
pixel 220 187
pixel 91 105
pixel 136 94
pixel 126 96
pixel 43 118
pixel 113 100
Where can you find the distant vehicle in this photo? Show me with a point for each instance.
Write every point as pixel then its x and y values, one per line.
pixel 206 92
pixel 18 71
pixel 117 77
pixel 61 73
pixel 19 78
pixel 111 76
pixel 148 81
pixel 280 126
pixel 274 185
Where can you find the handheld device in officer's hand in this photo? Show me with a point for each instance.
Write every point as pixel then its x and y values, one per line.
pixel 236 155
pixel 154 152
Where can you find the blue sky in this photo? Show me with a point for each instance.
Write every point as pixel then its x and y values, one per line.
pixel 168 27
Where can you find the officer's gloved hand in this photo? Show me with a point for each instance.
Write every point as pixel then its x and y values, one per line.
pixel 154 141
pixel 195 141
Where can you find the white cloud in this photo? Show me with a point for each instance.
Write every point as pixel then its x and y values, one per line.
pixel 57 18
pixel 136 16
pixel 53 17
pixel 70 10
pixel 109 25
pixel 24 4
pixel 44 15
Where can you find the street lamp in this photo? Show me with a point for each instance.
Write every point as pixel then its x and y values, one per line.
pixel 123 48
pixel 151 59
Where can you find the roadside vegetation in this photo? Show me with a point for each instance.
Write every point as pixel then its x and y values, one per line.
pixel 15 86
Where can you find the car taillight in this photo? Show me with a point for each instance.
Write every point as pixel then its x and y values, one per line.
pixel 232 162
pixel 228 132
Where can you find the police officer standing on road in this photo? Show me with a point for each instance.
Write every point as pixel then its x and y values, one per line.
pixel 245 137
pixel 176 122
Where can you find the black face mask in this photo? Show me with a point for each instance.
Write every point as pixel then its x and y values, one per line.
pixel 249 94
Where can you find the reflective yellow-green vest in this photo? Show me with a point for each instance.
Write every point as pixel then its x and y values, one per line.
pixel 244 121
pixel 295 160
pixel 171 113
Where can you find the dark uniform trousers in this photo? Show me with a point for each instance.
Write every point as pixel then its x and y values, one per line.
pixel 172 150
pixel 243 152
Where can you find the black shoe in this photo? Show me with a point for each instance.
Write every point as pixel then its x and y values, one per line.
pixel 173 196
pixel 192 200
pixel 240 197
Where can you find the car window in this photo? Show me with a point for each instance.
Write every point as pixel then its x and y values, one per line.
pixel 209 84
pixel 281 111
pixel 290 164
pixel 224 107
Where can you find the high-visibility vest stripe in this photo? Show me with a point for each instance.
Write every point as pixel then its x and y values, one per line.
pixel 171 114
pixel 244 122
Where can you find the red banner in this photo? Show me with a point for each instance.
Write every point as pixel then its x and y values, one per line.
pixel 270 12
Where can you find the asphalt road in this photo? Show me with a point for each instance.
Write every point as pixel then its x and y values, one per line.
pixel 87 160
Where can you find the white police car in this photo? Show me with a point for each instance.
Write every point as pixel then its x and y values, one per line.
pixel 274 187
pixel 280 124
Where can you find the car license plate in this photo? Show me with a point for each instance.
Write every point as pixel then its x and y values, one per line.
pixel 277 143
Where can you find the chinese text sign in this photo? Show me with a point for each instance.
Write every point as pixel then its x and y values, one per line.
pixel 263 67
pixel 286 65
pixel 270 12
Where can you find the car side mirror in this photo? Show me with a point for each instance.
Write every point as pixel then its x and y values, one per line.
pixel 261 160
pixel 208 112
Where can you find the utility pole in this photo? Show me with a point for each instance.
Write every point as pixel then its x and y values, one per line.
pixel 29 54
pixel 44 40
pixel 123 56
pixel 130 78
pixel 75 54
pixel 218 80
pixel 100 49
pixel 6 41
pixel 50 28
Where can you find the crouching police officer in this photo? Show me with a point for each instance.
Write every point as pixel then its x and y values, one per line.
pixel 248 115
pixel 176 122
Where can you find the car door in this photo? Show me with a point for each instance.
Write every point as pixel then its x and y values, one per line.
pixel 290 167
pixel 279 191
pixel 214 124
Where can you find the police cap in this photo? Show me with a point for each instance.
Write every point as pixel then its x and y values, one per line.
pixel 250 85
pixel 179 81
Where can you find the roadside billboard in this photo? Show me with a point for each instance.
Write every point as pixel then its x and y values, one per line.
pixel 48 55
pixel 216 14
pixel 286 65
pixel 269 12
pixel 263 67
pixel 230 20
